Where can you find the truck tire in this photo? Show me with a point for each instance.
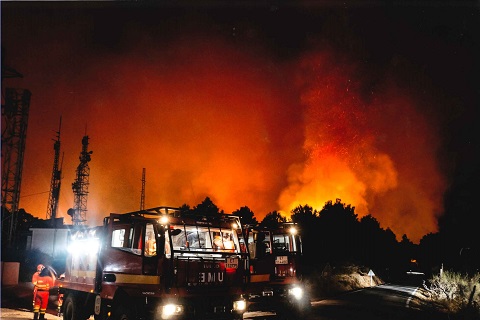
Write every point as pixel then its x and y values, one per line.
pixel 71 310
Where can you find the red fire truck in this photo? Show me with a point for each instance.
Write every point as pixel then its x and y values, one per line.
pixel 158 263
pixel 276 283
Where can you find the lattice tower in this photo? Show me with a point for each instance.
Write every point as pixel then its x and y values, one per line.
pixel 80 186
pixel 142 196
pixel 15 110
pixel 55 182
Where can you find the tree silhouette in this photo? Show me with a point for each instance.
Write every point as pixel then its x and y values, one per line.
pixel 338 213
pixel 246 215
pixel 339 232
pixel 304 215
pixel 273 220
pixel 377 248
pixel 25 221
pixel 185 208
pixel 408 252
pixel 370 240
pixel 206 208
pixel 307 219
pixel 431 255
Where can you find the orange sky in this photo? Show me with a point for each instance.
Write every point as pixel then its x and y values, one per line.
pixel 207 117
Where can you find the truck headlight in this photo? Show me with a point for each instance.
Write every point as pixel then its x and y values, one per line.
pixel 170 310
pixel 296 292
pixel 239 305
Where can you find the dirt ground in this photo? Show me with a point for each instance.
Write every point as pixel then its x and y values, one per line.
pixel 15 314
pixel 17 303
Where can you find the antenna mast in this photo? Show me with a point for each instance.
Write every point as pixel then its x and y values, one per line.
pixel 142 197
pixel 55 183
pixel 15 110
pixel 80 186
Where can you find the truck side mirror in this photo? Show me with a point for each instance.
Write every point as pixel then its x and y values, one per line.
pixel 176 232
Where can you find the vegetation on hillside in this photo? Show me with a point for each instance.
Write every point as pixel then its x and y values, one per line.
pixel 331 281
pixel 456 293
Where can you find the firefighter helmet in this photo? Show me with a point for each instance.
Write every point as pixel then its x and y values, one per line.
pixel 40 267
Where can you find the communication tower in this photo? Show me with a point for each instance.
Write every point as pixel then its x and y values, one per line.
pixel 55 183
pixel 142 196
pixel 80 186
pixel 15 110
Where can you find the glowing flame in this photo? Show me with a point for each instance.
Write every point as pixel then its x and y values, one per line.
pixel 207 118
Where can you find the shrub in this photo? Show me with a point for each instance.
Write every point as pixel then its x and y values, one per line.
pixel 455 292
pixel 343 278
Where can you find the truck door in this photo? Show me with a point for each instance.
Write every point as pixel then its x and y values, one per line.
pixel 262 260
pixel 153 240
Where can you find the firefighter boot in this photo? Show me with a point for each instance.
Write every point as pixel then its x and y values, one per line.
pixel 35 316
pixel 42 316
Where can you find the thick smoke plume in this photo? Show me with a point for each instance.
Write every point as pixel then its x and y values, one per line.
pixel 209 117
pixel 371 148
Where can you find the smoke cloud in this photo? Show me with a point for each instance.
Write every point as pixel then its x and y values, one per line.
pixel 207 116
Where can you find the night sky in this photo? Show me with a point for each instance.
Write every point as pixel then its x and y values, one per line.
pixel 269 105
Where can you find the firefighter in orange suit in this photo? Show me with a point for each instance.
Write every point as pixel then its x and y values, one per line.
pixel 34 280
pixel 42 281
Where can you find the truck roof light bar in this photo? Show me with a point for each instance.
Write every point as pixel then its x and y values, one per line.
pixel 155 211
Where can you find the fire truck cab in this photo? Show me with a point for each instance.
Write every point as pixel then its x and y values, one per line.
pixel 275 283
pixel 158 263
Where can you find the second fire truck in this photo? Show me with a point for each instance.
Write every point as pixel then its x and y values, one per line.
pixel 276 284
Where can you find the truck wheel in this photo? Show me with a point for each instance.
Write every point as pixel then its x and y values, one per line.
pixel 70 309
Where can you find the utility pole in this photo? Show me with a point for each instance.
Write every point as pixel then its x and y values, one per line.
pixel 15 111
pixel 142 196
pixel 80 186
pixel 55 182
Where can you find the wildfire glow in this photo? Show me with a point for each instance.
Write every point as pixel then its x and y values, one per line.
pixel 207 117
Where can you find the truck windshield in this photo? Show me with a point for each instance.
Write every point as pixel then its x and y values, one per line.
pixel 202 239
pixel 286 242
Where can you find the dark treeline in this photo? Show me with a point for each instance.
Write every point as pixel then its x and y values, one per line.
pixel 336 236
